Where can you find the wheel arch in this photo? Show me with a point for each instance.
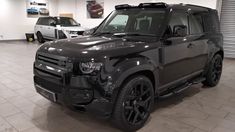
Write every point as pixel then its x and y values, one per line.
pixel 220 52
pixel 144 72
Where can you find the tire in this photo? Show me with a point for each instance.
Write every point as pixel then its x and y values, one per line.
pixel 40 38
pixel 214 71
pixel 136 96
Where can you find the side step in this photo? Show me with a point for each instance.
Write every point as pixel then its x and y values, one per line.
pixel 199 80
pixel 181 88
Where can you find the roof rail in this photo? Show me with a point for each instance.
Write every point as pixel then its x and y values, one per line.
pixel 153 5
pixel 124 6
pixel 197 6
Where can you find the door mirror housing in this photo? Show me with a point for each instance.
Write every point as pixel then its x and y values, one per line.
pixel 180 31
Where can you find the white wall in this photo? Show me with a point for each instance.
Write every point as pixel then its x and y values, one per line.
pixel 78 7
pixel 14 22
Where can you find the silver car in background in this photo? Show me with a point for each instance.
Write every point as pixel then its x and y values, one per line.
pixel 52 28
pixel 44 11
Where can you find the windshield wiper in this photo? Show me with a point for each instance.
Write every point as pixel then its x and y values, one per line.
pixel 102 33
pixel 133 34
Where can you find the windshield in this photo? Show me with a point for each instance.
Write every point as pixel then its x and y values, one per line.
pixel 67 22
pixel 133 21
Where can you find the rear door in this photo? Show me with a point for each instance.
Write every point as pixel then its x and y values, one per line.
pixel 40 26
pixel 198 48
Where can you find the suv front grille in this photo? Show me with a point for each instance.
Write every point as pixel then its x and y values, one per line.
pixel 80 32
pixel 52 65
pixel 51 60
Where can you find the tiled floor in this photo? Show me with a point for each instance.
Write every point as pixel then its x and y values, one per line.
pixel 22 109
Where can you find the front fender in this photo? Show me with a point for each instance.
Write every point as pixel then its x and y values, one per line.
pixel 127 68
pixel 124 72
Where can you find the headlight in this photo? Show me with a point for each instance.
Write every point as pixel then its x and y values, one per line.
pixel 89 67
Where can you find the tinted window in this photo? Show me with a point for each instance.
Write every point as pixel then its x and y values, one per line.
pixel 119 22
pixel 211 21
pixel 45 21
pixel 66 21
pixel 50 20
pixel 133 21
pixel 195 25
pixel 140 21
pixel 176 19
pixel 39 22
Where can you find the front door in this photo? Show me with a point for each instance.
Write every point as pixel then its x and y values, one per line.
pixel 175 54
pixel 51 28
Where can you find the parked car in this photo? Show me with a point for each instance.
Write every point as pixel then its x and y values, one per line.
pixel 138 54
pixel 43 11
pixel 32 11
pixel 51 28
pixel 95 9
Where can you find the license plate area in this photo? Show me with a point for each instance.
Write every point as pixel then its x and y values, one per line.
pixel 46 93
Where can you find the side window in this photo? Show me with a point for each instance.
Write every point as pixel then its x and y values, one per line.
pixel 118 24
pixel 195 24
pixel 211 22
pixel 177 20
pixel 39 21
pixel 50 20
pixel 43 21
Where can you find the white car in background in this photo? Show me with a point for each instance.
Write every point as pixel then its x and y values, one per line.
pixel 52 28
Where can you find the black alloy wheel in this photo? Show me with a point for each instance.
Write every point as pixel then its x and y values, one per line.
pixel 134 104
pixel 214 71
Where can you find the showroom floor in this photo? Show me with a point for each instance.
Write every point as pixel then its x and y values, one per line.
pixel 22 109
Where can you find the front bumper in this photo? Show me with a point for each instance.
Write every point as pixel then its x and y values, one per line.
pixel 55 80
pixel 87 100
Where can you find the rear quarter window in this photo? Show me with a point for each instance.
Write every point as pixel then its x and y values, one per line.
pixel 195 22
pixel 44 21
pixel 211 21
pixel 39 21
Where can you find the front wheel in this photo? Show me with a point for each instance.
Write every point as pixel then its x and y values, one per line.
pixel 214 71
pixel 40 38
pixel 134 103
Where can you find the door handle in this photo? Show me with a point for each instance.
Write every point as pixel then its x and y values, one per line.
pixel 190 45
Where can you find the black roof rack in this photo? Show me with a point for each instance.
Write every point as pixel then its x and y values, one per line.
pixel 124 6
pixel 142 5
pixel 153 5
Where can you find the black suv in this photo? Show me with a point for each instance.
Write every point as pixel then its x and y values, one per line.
pixel 136 55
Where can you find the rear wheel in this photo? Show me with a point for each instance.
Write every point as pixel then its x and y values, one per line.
pixel 40 38
pixel 214 72
pixel 134 103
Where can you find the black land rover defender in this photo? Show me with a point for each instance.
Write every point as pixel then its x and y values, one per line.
pixel 136 55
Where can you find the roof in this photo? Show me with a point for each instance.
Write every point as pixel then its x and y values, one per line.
pixel 164 5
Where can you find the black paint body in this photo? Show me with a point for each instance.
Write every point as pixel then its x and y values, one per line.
pixel 166 65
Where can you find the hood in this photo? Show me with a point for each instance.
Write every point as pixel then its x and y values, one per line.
pixel 95 48
pixel 73 28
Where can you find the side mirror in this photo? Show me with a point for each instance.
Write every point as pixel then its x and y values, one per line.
pixel 180 31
